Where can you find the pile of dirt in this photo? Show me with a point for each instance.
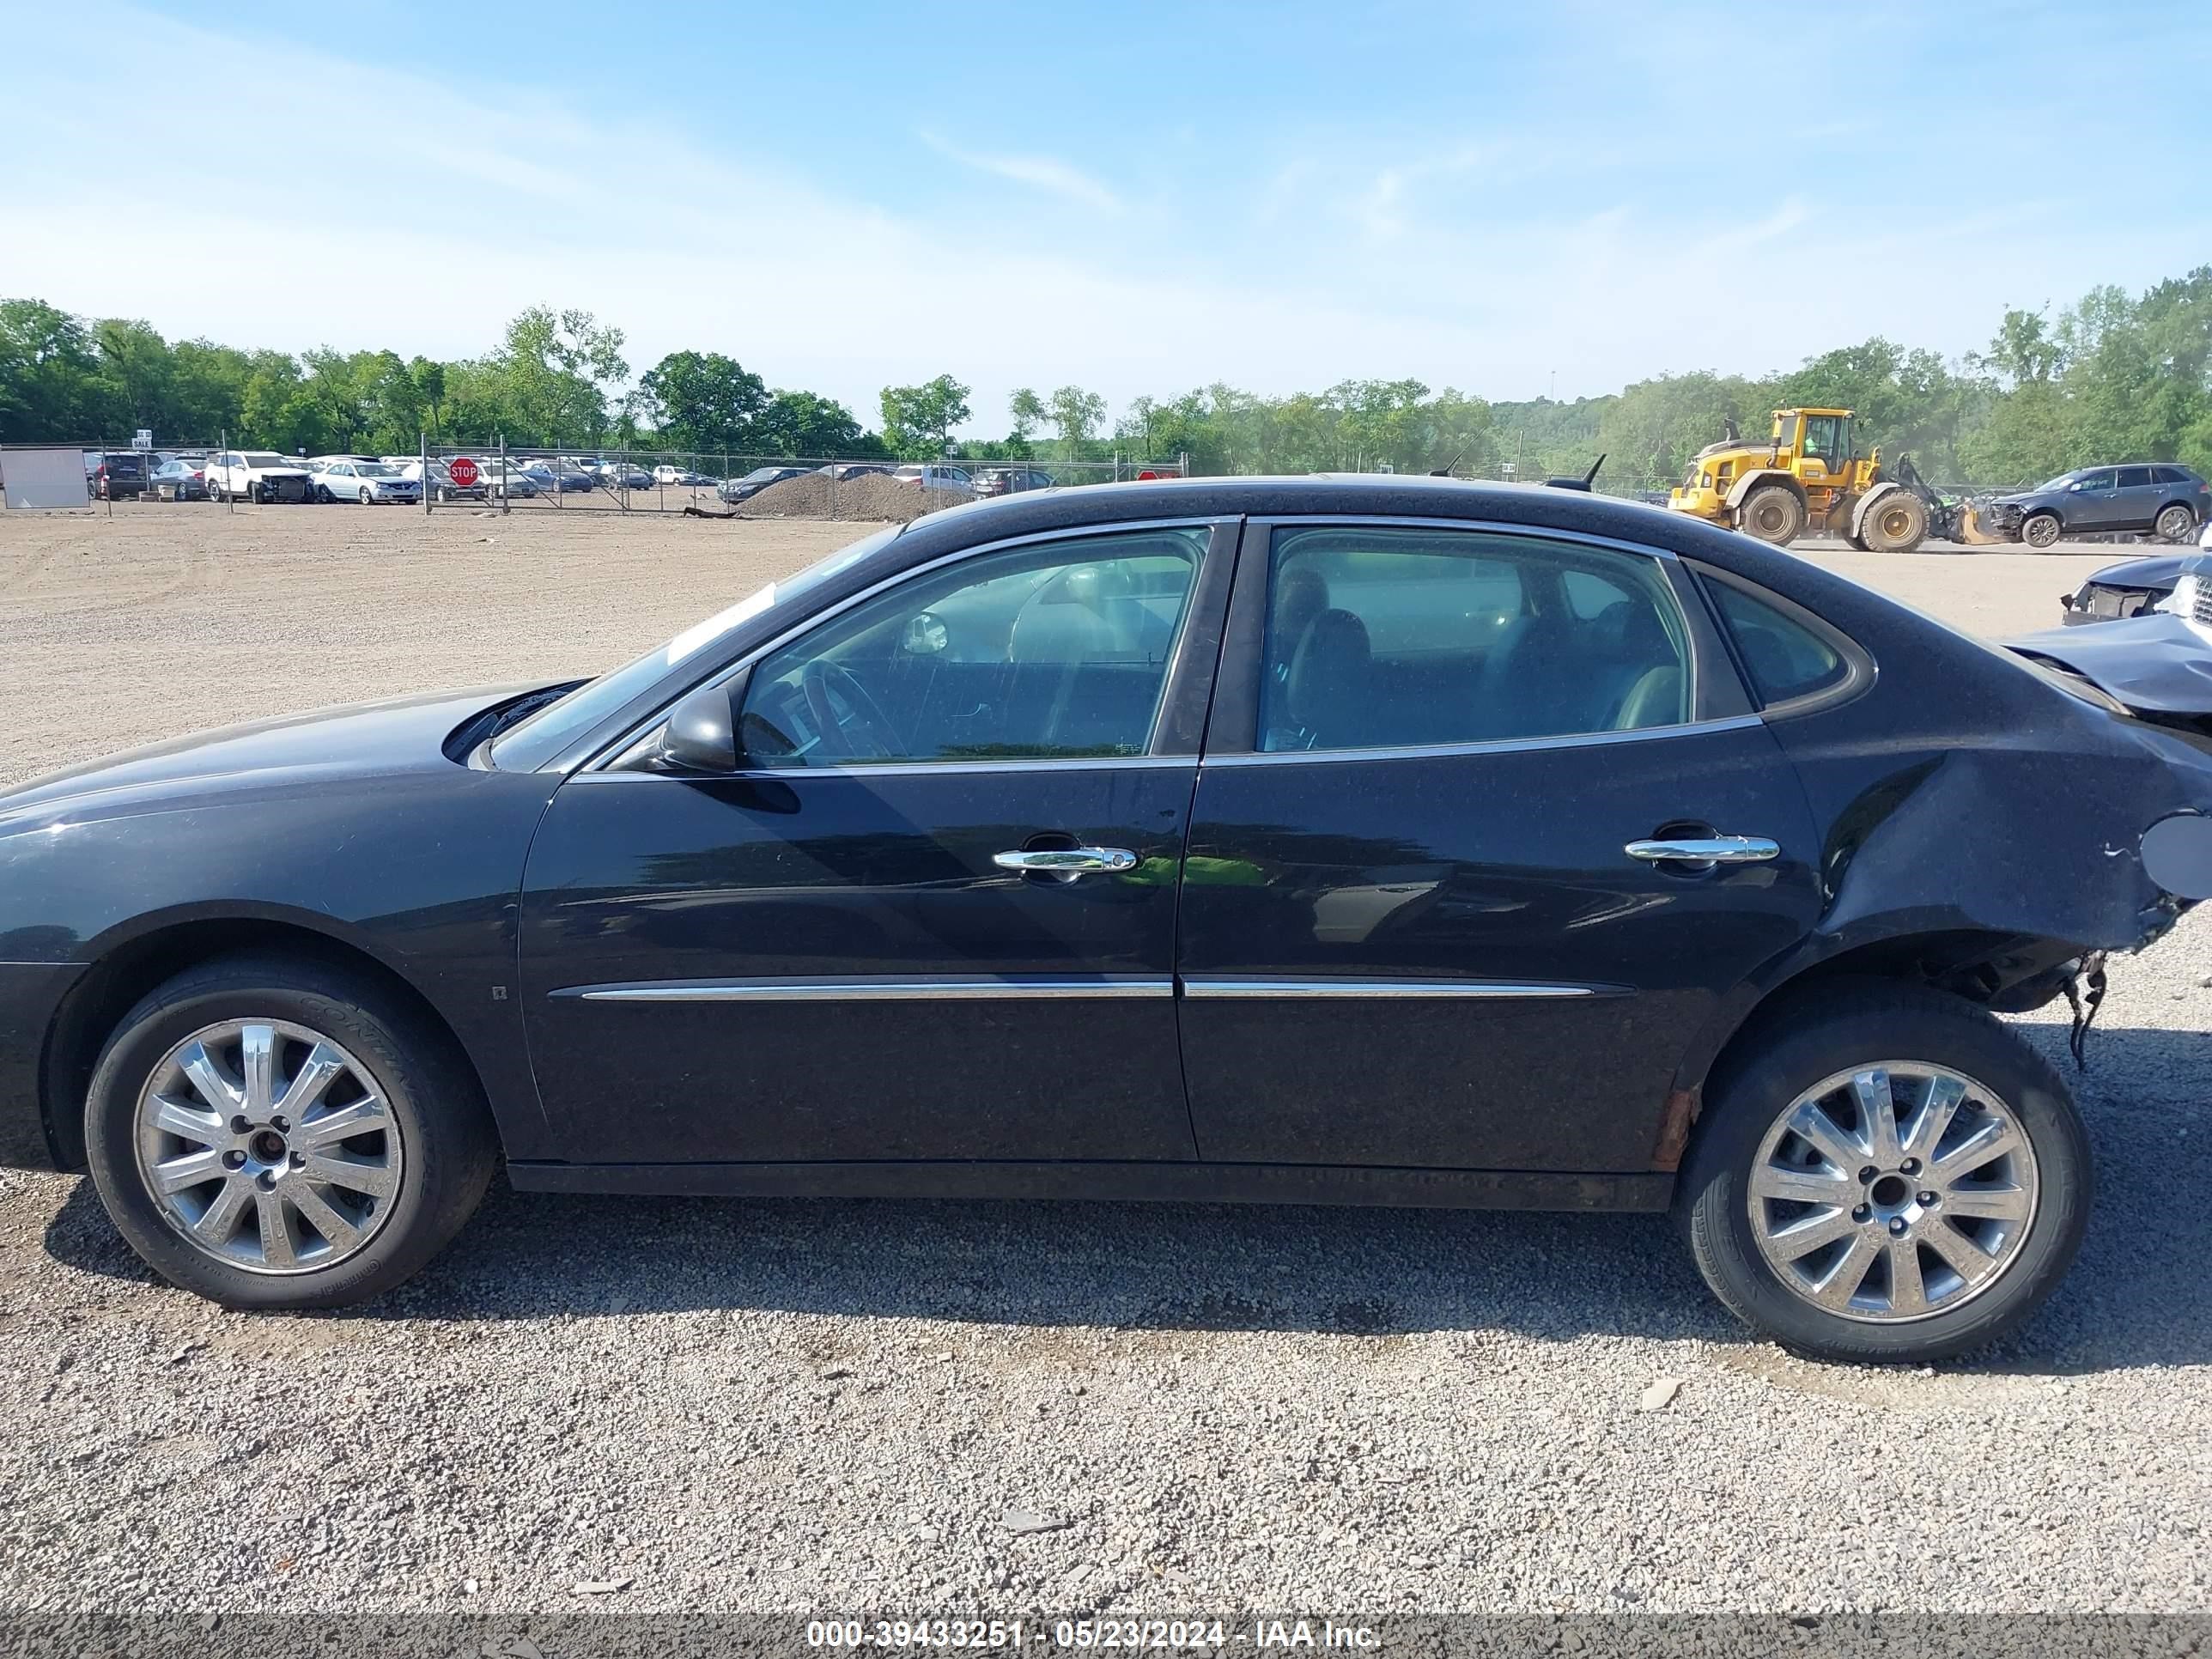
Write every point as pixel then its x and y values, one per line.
pixel 874 497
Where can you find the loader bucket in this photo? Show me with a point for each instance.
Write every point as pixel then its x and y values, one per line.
pixel 1971 530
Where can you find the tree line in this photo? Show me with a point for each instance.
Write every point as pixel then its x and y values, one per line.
pixel 2114 376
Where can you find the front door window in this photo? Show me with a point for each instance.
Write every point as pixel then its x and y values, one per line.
pixel 1057 652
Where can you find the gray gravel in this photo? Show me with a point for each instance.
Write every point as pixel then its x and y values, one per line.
pixel 788 1405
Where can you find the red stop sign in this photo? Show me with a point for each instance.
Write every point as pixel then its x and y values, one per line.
pixel 464 471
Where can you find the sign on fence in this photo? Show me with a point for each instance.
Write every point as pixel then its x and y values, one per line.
pixel 143 439
pixel 464 471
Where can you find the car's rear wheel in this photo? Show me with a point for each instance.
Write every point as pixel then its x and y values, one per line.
pixel 275 1133
pixel 2176 523
pixel 1773 514
pixel 1886 1175
pixel 2039 529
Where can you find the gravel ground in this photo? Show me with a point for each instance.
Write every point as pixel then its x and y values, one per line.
pixel 801 1406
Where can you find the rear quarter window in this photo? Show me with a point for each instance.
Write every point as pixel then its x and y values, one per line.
pixel 1785 660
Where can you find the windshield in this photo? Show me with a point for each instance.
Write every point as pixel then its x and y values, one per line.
pixel 258 460
pixel 2058 483
pixel 534 741
pixel 376 470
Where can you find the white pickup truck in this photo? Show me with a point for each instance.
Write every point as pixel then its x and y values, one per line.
pixel 257 475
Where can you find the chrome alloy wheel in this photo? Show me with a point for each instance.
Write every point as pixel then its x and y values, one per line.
pixel 1892 1192
pixel 268 1146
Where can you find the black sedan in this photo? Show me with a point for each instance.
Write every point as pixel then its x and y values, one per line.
pixel 1332 840
pixel 734 491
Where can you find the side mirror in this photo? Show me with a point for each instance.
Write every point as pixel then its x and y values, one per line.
pixel 702 732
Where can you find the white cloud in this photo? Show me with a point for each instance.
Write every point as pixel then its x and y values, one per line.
pixel 1489 278
pixel 1042 172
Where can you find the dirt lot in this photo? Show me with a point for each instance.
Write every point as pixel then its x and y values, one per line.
pixel 814 1406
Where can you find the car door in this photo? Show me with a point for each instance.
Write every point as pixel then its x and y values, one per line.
pixel 2093 501
pixel 2135 499
pixel 932 915
pixel 1483 831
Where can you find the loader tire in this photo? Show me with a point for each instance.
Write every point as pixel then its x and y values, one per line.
pixel 1773 514
pixel 1897 523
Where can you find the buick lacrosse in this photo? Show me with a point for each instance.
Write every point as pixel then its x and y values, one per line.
pixel 1372 840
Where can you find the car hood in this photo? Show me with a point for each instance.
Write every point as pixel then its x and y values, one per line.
pixel 396 735
pixel 2155 664
pixel 2159 570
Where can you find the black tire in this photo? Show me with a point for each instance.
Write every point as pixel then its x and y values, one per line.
pixel 1896 523
pixel 1842 1024
pixel 324 497
pixel 2040 529
pixel 2176 523
pixel 1773 514
pixel 452 1148
pixel 368 499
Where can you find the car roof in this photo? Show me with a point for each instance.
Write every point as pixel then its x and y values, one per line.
pixel 1349 494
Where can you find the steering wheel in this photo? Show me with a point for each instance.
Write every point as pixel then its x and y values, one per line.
pixel 819 682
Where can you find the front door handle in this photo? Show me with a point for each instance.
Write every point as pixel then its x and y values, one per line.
pixel 1067 860
pixel 1707 849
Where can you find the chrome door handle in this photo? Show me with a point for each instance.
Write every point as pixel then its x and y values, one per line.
pixel 1067 860
pixel 1713 849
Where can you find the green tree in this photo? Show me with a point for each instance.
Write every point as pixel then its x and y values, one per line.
pixel 703 401
pixel 1075 415
pixel 918 419
pixel 1028 411
pixel 803 423
pixel 50 386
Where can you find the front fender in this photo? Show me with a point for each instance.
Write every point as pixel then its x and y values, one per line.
pixel 418 872
pixel 1739 491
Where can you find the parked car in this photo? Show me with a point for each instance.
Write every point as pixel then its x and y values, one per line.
pixel 567 479
pixel 409 467
pixel 744 488
pixel 954 822
pixel 843 472
pixel 371 482
pixel 954 478
pixel 517 483
pixel 625 475
pixel 181 480
pixel 1011 480
pixel 682 476
pixel 258 475
pixel 2160 498
pixel 120 475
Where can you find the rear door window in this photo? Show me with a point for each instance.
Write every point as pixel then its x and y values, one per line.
pixel 1402 637
pixel 2134 477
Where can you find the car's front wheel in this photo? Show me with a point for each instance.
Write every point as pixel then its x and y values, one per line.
pixel 275 1133
pixel 2039 529
pixel 2176 523
pixel 1885 1174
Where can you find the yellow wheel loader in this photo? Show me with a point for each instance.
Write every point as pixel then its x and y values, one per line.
pixel 1806 478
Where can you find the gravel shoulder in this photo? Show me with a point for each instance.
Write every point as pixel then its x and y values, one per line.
pixel 805 1405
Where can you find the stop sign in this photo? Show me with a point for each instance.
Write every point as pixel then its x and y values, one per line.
pixel 464 471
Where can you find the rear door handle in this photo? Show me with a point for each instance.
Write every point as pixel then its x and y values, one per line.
pixel 1067 860
pixel 1708 849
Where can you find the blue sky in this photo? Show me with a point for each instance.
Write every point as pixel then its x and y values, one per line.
pixel 1135 199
